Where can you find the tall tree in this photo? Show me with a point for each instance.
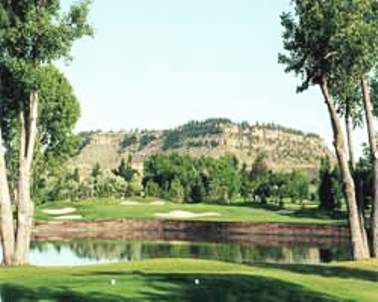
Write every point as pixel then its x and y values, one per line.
pixel 312 41
pixel 360 56
pixel 33 33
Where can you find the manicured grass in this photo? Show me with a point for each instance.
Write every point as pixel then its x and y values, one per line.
pixel 251 212
pixel 175 280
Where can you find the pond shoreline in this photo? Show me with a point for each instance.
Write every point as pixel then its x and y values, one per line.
pixel 190 230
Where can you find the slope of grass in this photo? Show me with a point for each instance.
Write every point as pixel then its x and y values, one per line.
pixel 192 280
pixel 248 212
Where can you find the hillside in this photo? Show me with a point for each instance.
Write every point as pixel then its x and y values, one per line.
pixel 285 148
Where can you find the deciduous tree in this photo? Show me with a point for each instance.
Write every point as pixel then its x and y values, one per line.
pixel 33 34
pixel 312 39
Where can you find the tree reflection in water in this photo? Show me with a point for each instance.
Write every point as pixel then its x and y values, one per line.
pixel 99 251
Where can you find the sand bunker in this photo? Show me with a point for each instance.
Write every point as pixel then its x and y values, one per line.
pixel 185 214
pixel 157 203
pixel 63 211
pixel 136 203
pixel 130 203
pixel 69 217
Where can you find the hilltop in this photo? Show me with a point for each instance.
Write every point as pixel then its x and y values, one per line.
pixel 285 148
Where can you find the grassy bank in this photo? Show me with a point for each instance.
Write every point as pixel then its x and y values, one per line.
pixel 146 209
pixel 175 280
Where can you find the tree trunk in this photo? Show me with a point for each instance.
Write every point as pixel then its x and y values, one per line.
pixel 368 107
pixel 25 205
pixel 360 246
pixel 349 138
pixel 6 215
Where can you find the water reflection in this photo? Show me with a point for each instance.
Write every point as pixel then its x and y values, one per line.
pixel 80 252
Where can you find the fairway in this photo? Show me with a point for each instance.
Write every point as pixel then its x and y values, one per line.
pixel 100 209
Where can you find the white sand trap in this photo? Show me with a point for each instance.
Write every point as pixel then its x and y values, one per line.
pixel 130 203
pixel 185 214
pixel 69 217
pixel 158 203
pixel 63 211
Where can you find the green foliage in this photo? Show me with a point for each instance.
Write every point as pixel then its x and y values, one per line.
pixel 221 180
pixel 330 189
pixel 263 185
pixel 85 138
pixel 33 35
pixel 176 191
pixel 374 92
pixel 177 137
pixel 259 167
pixel 145 140
pixel 59 113
pixel 203 179
pixel 129 140
pixel 321 41
pixel 105 184
pixel 274 126
pixel 363 176
pixel 96 170
pixel 125 170
pixel 152 189
pixel 299 186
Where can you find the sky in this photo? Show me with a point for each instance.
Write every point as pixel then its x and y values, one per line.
pixel 158 64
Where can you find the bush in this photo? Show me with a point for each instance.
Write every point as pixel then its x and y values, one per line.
pixel 176 191
pixel 152 189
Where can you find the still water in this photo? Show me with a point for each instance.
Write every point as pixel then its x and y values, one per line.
pixel 82 252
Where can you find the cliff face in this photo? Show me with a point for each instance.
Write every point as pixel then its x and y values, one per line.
pixel 285 149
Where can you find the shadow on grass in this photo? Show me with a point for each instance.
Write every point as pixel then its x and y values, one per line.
pixel 230 288
pixel 310 213
pixel 16 293
pixel 180 287
pixel 325 271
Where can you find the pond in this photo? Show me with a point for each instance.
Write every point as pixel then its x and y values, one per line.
pixel 96 251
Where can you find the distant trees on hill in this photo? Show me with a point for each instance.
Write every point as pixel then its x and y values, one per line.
pixel 221 180
pixel 183 178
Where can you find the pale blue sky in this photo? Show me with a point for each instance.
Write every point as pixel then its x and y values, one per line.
pixel 158 64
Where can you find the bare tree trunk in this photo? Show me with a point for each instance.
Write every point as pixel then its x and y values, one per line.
pixel 360 247
pixel 349 138
pixel 368 106
pixel 352 163
pixel 6 215
pixel 25 205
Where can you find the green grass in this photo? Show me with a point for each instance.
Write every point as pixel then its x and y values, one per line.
pixel 174 280
pixel 247 212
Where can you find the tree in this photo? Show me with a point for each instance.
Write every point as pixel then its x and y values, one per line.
pixel 329 189
pixel 125 170
pixel 312 43
pixel 32 35
pixel 363 176
pixel 59 113
pixel 176 191
pixel 96 170
pixel 299 185
pixel 360 45
pixel 152 189
pixel 259 166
